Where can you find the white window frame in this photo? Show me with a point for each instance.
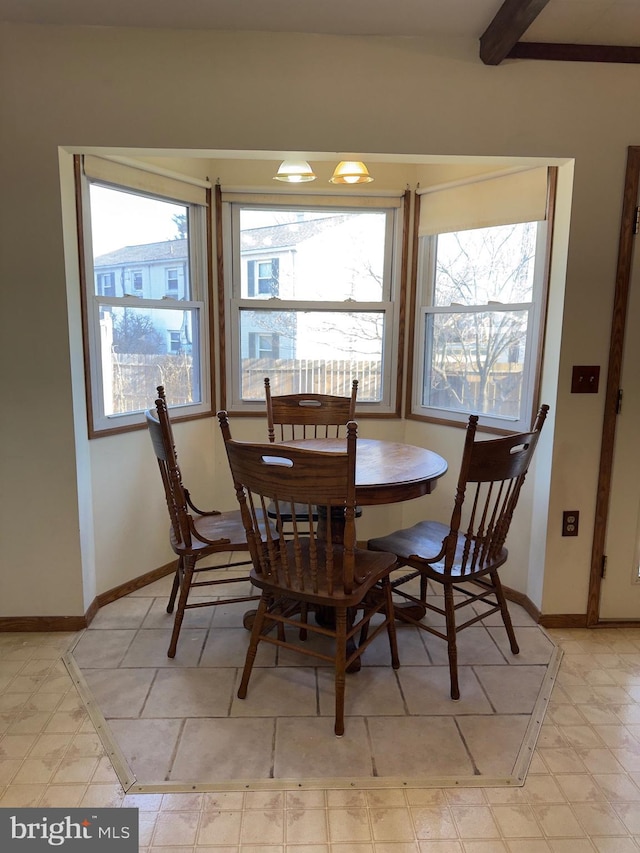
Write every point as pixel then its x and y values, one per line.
pixel 389 306
pixel 101 423
pixel 427 255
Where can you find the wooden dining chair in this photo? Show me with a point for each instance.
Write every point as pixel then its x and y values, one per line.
pixel 310 570
pixel 293 416
pixel 194 533
pixel 471 548
pixel 298 416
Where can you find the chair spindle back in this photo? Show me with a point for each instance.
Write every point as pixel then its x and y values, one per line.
pixel 176 495
pixel 492 473
pixel 321 482
pixel 297 416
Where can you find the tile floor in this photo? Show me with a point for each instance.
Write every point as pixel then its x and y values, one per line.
pixel 582 791
pixel 401 726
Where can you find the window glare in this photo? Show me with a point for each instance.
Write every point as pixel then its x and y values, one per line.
pixel 318 255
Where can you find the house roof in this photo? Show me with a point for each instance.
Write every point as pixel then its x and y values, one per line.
pixel 287 235
pixel 278 237
pixel 166 250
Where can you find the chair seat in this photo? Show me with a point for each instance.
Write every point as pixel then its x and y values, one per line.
pixel 225 525
pixel 370 567
pixel 424 540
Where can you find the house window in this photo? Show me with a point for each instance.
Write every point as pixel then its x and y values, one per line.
pixel 263 345
pixel 175 342
pixel 312 294
pixel 106 283
pixel 132 342
pixel 172 283
pixel 478 326
pixel 263 278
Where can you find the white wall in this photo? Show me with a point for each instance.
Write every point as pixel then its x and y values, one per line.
pixel 66 87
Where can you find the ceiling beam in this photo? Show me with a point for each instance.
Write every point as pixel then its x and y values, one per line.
pixel 512 19
pixel 575 52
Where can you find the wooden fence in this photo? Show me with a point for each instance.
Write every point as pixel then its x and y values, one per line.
pixel 135 378
pixel 299 376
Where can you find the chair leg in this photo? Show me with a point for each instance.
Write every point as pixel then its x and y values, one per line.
pixel 304 615
pixel 423 588
pixel 175 587
pixel 340 668
pixel 391 623
pixel 364 633
pixel 185 585
pixel 256 631
pixel 504 610
pixel 450 616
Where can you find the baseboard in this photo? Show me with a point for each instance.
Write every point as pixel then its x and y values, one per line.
pixel 524 602
pixel 42 623
pixel 134 584
pixel 552 620
pixel 77 623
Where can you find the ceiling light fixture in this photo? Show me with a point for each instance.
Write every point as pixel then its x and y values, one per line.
pixel 294 172
pixel 351 172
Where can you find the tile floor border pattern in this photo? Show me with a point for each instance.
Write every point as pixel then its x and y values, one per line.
pixel 131 785
pixel 522 748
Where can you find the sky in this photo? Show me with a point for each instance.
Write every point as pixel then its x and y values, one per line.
pixel 121 219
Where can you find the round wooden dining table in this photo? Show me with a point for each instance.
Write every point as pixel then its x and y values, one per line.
pixel 386 471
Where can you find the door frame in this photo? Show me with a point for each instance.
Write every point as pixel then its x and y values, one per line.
pixel 616 347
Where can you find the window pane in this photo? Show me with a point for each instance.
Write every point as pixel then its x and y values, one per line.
pixel 143 348
pixel 474 362
pixel 312 254
pixel 140 245
pixel 484 265
pixel 320 351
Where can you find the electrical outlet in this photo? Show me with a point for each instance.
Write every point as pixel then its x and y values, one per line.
pixel 570 522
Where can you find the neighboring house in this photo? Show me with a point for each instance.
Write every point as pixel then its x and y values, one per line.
pixel 305 260
pixel 149 271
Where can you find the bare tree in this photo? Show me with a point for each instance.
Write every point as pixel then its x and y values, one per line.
pixel 134 332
